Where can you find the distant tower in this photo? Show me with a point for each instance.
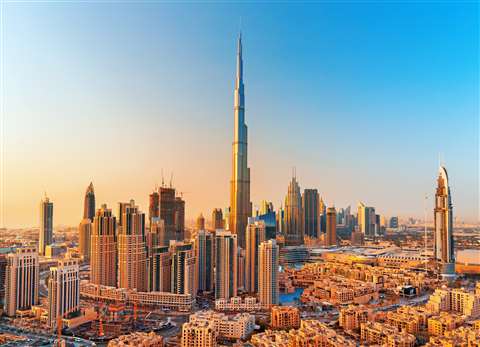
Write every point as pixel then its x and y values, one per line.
pixel 63 291
pixel 240 205
pixel 200 222
pixel 179 218
pixel 293 215
pixel 268 273
pixel 89 203
pixel 204 242
pixel 217 219
pixel 21 280
pixel 132 255
pixel 84 236
pixel 444 246
pixel 311 212
pixel 103 248
pixel 366 220
pixel 46 225
pixel 256 234
pixel 226 265
pixel 331 235
pixel 153 207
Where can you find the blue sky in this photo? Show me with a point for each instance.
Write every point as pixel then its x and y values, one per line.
pixel 360 97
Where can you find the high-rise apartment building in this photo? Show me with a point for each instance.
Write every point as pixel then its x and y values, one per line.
pixel 183 279
pixel 240 204
pixel 443 244
pixel 311 212
pixel 21 280
pixel 84 236
pixel 132 250
pixel 331 235
pixel 217 219
pixel 160 269
pixel 46 225
pixel 3 273
pixel 293 215
pixel 89 203
pixel 268 288
pixel 204 244
pixel 63 291
pixel 226 277
pixel 103 248
pixel 256 234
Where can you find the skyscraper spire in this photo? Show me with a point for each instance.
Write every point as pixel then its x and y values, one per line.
pixel 240 205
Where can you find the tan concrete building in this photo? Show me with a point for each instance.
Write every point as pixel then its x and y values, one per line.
pixel 456 300
pixel 268 288
pixel 63 291
pixel 132 252
pixel 438 325
pixel 239 326
pixel 284 317
pixel 137 339
pixel 353 316
pixel 382 334
pixel 199 334
pixel 21 280
pixel 256 234
pixel 103 248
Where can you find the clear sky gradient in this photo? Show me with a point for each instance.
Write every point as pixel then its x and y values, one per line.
pixel 361 98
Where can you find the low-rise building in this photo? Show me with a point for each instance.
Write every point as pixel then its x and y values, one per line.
pixel 353 316
pixel 438 325
pixel 461 337
pixel 166 300
pixel 137 339
pixel 199 334
pixel 383 334
pixel 239 326
pixel 238 304
pixel 284 317
pixel 456 300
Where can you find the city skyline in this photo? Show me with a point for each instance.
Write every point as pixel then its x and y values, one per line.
pixel 340 183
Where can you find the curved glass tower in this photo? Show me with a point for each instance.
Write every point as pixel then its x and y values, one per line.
pixel 443 243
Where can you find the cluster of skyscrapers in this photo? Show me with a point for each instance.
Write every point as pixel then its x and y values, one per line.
pixel 239 252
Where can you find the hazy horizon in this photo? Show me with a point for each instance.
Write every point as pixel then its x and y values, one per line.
pixel 360 98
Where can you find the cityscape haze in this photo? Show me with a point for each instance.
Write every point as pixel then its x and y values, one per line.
pixel 154 81
pixel 338 253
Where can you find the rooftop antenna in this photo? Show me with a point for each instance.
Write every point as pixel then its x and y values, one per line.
pixel 163 180
pixel 171 179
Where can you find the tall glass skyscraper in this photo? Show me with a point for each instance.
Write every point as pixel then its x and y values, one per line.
pixel 240 204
